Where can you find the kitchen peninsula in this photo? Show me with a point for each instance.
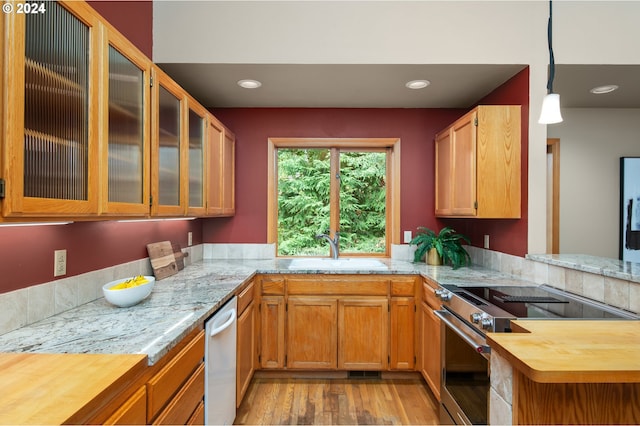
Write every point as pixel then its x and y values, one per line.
pixel 566 372
pixel 179 305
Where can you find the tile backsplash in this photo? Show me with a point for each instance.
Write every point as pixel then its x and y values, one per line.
pixel 620 293
pixel 28 305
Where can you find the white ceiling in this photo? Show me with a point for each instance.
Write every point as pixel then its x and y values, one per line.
pixel 383 86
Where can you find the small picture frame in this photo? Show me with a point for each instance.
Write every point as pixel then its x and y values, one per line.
pixel 630 209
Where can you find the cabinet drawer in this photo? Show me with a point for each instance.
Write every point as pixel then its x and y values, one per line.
pixel 244 298
pixel 168 381
pixel 429 296
pixel 133 411
pixel 197 418
pixel 405 287
pixel 346 286
pixel 182 407
pixel 273 286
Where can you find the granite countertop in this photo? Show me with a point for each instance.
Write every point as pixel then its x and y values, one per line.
pixel 181 303
pixel 613 268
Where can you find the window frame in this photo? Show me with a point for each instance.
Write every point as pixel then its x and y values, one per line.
pixel 391 145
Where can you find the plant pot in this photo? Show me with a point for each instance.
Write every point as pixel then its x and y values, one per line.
pixel 433 258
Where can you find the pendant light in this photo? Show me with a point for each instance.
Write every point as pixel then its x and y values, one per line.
pixel 550 113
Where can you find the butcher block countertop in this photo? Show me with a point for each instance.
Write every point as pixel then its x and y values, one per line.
pixel 566 351
pixel 62 388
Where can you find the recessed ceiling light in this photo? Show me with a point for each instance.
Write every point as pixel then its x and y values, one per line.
pixel 417 84
pixel 603 89
pixel 249 84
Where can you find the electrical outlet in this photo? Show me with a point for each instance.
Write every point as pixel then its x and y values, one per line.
pixel 59 263
pixel 486 241
pixel 407 237
pixel 190 239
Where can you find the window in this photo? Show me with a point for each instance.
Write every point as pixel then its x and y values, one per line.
pixel 329 185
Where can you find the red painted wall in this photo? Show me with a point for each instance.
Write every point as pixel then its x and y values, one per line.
pixel 134 19
pixel 26 253
pixel 415 127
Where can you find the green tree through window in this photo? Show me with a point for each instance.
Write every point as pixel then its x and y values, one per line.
pixel 307 206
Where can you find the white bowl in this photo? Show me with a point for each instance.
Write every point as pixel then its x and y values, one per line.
pixel 128 296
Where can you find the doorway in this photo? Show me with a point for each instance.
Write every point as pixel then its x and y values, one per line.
pixel 553 196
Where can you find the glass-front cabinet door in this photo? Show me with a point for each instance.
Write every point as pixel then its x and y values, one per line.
pixel 126 160
pixel 49 119
pixel 169 152
pixel 197 123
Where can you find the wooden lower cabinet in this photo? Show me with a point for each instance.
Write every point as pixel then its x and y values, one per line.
pixel 246 351
pixel 343 322
pixel 363 324
pixel 272 317
pixel 175 392
pixel 347 333
pixel 574 403
pixel 311 332
pixel 430 353
pixel 197 418
pixel 402 335
pixel 133 411
pixel 183 405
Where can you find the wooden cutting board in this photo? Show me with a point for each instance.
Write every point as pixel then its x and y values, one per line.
pixel 179 255
pixel 162 259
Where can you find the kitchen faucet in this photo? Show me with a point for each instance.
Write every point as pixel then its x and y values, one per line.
pixel 333 242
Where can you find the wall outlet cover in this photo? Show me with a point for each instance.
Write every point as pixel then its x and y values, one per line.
pixel 59 263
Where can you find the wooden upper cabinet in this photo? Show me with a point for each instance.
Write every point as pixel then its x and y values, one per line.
pixel 478 170
pixel 126 125
pixel 214 167
pixel 463 166
pixel 443 187
pixel 87 135
pixel 197 119
pixel 49 117
pixel 229 174
pixel 221 170
pixel 169 182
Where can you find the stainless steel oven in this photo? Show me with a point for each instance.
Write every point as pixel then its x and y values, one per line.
pixel 465 372
pixel 469 312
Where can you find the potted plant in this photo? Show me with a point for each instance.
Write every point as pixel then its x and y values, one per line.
pixel 444 247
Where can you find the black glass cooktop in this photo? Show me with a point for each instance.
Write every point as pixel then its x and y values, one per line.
pixel 540 302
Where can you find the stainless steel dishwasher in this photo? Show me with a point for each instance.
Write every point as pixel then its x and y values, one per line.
pixel 220 365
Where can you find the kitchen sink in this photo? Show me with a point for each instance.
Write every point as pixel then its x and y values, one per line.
pixel 323 263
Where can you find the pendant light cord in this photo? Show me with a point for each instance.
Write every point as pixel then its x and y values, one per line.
pixel 552 63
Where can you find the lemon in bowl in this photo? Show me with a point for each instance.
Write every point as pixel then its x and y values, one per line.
pixel 128 292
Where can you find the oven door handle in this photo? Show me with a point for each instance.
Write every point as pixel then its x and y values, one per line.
pixel 464 331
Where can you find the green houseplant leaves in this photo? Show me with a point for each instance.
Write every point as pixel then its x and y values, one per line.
pixel 447 243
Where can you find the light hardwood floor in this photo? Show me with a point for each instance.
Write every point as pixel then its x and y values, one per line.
pixel 293 401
